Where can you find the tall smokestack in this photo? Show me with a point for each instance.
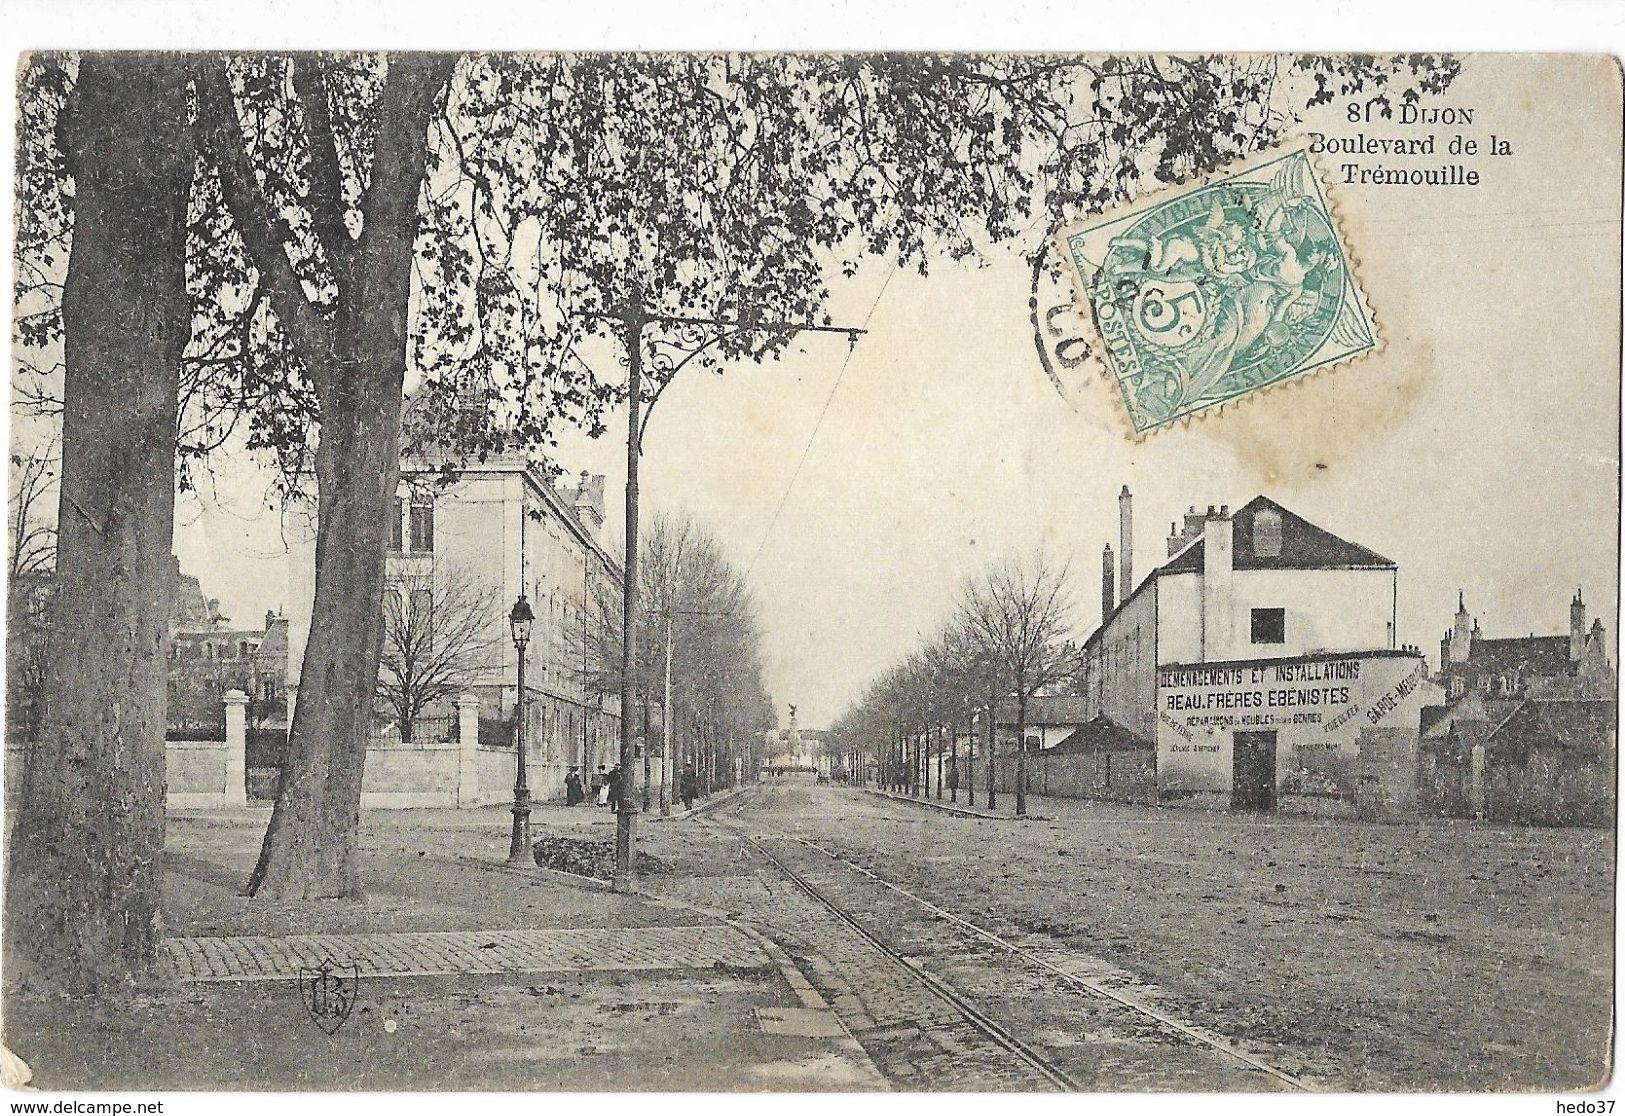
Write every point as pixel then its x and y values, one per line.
pixel 1577 628
pixel 1108 584
pixel 1125 542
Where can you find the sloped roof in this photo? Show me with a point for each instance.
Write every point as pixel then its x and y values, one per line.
pixel 1102 734
pixel 1577 727
pixel 1538 655
pixel 1432 715
pixel 276 638
pixel 1304 546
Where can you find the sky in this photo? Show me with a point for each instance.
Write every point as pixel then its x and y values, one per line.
pixel 1478 449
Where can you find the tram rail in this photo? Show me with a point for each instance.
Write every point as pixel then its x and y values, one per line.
pixel 994 1031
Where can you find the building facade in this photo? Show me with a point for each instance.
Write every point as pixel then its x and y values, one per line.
pixel 498 529
pixel 1554 667
pixel 1261 657
pixel 209 657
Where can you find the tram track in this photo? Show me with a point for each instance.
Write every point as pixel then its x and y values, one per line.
pixel 982 1023
pixel 1058 1077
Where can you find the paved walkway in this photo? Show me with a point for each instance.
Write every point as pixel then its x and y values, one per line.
pixel 646 949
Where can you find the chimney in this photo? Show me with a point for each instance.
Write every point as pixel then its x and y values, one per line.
pixel 1125 542
pixel 1460 638
pixel 1577 627
pixel 1108 582
pixel 589 500
pixel 1218 579
pixel 1181 537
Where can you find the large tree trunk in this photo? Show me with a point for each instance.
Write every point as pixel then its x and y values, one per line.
pixel 310 846
pixel 83 885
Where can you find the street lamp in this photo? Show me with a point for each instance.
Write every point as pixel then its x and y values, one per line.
pixel 519 621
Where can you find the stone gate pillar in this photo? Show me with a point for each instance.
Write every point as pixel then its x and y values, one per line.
pixel 236 790
pixel 468 750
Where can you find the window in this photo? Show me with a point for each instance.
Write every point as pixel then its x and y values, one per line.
pixel 1269 625
pixel 395 527
pixel 422 603
pixel 1267 535
pixel 422 528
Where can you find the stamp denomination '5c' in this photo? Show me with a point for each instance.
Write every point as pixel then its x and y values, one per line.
pixel 1213 291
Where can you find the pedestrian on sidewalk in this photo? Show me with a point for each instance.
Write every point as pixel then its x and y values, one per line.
pixel 614 784
pixel 573 794
pixel 600 786
pixel 689 784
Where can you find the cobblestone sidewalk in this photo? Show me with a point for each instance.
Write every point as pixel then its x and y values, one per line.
pixel 648 949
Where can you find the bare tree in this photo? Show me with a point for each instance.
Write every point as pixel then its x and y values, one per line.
pixel 438 640
pixel 718 697
pixel 32 556
pixel 1018 614
pixel 31 520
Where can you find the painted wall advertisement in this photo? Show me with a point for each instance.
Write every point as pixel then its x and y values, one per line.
pixel 1315 707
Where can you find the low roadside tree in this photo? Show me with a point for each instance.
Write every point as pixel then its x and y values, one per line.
pixel 439 641
pixel 1018 615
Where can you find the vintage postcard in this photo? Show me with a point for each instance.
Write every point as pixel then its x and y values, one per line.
pixel 578 572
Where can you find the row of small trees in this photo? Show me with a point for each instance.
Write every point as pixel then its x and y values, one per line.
pixel 695 606
pixel 1007 641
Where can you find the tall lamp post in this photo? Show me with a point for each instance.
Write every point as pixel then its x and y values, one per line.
pixel 632 316
pixel 669 788
pixel 519 620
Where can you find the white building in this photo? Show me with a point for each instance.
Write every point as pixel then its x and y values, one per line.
pixel 1262 649
pixel 504 527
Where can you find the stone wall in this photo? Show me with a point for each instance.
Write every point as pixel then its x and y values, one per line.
pixel 1113 776
pixel 200 774
pixel 209 774
pixel 1386 790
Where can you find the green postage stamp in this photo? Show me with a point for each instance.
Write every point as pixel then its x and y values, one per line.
pixel 1213 291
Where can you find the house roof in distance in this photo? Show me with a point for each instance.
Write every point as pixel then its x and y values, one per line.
pixel 1579 727
pixel 1304 546
pixel 1540 655
pixel 1102 734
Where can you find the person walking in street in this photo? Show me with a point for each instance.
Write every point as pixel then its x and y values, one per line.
pixel 688 785
pixel 613 786
pixel 573 794
pixel 600 786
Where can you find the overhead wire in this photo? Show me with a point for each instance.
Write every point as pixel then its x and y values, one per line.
pixel 772 522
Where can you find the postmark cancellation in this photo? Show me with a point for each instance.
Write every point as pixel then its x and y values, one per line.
pixel 1213 291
